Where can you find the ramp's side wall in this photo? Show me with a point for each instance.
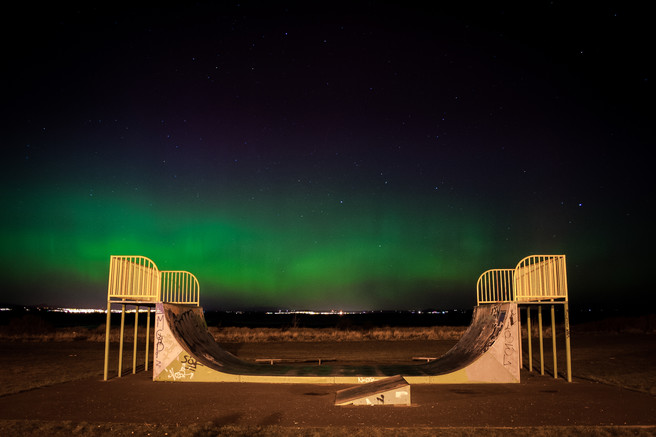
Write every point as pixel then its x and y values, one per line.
pixel 167 350
pixel 501 362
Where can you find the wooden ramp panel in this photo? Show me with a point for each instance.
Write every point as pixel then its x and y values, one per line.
pixel 394 390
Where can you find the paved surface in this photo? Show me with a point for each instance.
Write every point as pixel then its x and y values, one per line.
pixel 538 400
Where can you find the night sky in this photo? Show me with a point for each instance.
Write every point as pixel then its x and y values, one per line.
pixel 332 156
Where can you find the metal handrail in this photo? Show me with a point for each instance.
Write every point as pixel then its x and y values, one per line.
pixel 180 286
pixel 495 285
pixel 540 278
pixel 133 278
pixel 536 278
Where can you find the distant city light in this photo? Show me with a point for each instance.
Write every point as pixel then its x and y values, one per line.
pixel 77 310
pixel 143 309
pixel 316 313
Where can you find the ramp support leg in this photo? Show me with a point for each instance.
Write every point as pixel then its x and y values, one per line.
pixel 147 337
pixel 120 347
pixel 528 338
pixel 136 329
pixel 553 340
pixel 107 332
pixel 568 351
pixel 541 340
pixel 521 347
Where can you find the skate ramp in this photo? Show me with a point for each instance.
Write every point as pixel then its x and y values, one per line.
pixel 488 352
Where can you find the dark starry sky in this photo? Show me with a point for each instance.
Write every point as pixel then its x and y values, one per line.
pixel 357 155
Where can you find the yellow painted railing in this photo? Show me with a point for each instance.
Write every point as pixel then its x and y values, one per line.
pixel 179 287
pixel 536 278
pixel 540 278
pixel 133 278
pixel 495 285
pixel 137 279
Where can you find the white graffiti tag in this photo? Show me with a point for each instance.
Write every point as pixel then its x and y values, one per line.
pixel 187 369
pixel 181 374
pixel 366 379
pixel 509 343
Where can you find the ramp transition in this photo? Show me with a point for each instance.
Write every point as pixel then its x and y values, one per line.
pixel 488 352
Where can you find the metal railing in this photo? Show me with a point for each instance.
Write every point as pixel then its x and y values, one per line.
pixel 179 287
pixel 536 278
pixel 133 278
pixel 541 278
pixel 495 285
pixel 137 279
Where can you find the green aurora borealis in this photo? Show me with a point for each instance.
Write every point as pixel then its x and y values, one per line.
pixel 359 256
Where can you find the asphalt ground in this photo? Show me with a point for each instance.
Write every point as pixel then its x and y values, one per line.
pixel 536 401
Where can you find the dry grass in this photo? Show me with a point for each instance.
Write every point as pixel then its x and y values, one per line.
pixel 245 335
pixel 32 328
pixel 261 335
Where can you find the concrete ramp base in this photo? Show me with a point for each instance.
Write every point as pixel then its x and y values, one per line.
pixel 387 391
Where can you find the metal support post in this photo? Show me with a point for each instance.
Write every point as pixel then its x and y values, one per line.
pixel 553 341
pixel 147 337
pixel 521 351
pixel 568 351
pixel 541 340
pixel 134 346
pixel 107 333
pixel 120 347
pixel 528 338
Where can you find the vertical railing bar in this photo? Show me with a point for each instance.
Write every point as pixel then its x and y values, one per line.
pixel 167 291
pixel 136 272
pixel 540 287
pixel 140 278
pixel 505 284
pixel 504 281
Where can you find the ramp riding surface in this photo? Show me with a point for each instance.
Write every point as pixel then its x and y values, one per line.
pixel 487 352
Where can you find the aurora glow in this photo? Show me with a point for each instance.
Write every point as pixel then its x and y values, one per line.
pixel 366 160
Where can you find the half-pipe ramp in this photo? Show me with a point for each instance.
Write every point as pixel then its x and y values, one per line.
pixel 488 352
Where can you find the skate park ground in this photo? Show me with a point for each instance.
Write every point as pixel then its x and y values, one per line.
pixel 612 393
